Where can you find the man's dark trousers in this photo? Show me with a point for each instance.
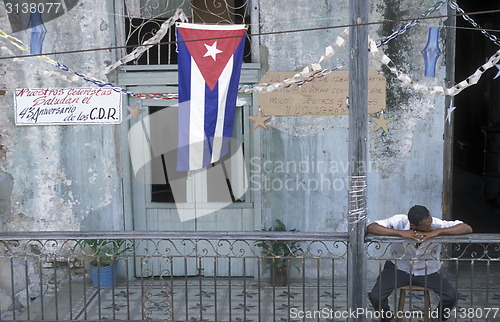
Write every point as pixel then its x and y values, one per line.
pixel 391 278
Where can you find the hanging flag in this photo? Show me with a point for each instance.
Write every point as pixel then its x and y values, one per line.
pixel 209 73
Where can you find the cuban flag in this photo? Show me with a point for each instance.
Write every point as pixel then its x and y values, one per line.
pixel 209 73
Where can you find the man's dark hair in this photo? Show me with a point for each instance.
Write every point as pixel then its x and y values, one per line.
pixel 418 213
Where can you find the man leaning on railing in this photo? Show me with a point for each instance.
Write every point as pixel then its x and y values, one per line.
pixel 416 264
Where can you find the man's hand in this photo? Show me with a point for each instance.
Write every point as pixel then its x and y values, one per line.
pixel 377 229
pixel 416 235
pixel 410 234
pixel 428 234
pixel 459 229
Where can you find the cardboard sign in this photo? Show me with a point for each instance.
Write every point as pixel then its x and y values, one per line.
pixel 65 106
pixel 323 96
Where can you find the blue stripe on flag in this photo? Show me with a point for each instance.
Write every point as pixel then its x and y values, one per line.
pixel 184 60
pixel 184 64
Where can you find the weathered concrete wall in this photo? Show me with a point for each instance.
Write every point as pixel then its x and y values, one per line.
pixel 406 162
pixel 58 177
pixel 69 178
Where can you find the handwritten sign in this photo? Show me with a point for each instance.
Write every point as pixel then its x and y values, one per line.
pixel 323 96
pixel 65 106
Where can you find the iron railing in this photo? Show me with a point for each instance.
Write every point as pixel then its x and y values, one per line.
pixel 219 276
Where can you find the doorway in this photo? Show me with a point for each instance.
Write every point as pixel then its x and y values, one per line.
pixel 476 165
pixel 169 200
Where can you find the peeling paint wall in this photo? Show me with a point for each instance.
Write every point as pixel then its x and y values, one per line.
pixel 69 177
pixel 57 177
pixel 405 163
pixel 60 177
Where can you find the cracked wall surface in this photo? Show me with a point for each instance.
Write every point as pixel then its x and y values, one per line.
pixel 69 178
pixel 57 178
pixel 60 174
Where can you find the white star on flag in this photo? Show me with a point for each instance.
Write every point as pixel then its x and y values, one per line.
pixel 212 51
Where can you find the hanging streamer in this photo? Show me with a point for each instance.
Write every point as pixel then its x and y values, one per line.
pixel 436 90
pixel 308 73
pixel 19 44
pixel 137 52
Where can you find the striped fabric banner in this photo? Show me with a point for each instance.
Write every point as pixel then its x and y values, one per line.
pixel 209 59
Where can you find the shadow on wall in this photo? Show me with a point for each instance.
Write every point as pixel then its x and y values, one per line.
pixel 6 186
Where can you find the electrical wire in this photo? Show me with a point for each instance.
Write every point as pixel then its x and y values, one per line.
pixel 259 34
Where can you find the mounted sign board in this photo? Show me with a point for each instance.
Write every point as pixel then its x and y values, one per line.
pixel 67 106
pixel 326 95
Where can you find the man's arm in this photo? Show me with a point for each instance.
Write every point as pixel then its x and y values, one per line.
pixel 378 229
pixel 460 229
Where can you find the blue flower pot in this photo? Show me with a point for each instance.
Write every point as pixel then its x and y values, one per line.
pixel 104 276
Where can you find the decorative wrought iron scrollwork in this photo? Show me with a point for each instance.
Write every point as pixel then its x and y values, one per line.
pixel 143 23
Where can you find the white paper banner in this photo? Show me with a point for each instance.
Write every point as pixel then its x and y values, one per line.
pixel 66 106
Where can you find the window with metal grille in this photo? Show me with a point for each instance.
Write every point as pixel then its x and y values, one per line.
pixel 144 18
pixel 197 185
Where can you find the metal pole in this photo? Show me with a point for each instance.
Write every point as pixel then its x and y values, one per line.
pixel 358 139
pixel 448 126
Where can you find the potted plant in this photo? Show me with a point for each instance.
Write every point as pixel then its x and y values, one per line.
pixel 279 253
pixel 105 254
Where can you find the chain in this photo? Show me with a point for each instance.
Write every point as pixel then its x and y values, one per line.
pixel 20 45
pixel 113 87
pixel 467 18
pixel 412 23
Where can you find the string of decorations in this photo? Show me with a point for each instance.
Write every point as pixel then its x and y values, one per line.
pixel 289 31
pixel 436 90
pixel 22 46
pixel 439 90
pixel 46 72
pixel 314 70
pixel 409 25
pixel 154 40
pixel 19 44
pixel 309 73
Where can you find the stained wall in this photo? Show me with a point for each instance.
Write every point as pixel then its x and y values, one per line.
pixel 405 163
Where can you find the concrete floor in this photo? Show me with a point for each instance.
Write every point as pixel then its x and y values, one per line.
pixel 209 299
pixel 237 299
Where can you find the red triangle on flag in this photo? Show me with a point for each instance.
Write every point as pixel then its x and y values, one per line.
pixel 211 56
